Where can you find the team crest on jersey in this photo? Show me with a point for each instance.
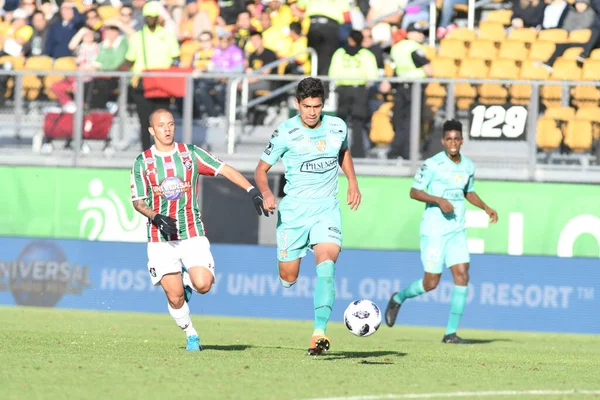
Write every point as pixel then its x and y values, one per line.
pixel 321 145
pixel 172 188
pixel 458 178
pixel 187 161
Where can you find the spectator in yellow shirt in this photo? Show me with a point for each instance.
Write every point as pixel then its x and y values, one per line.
pixel 242 29
pixel 18 35
pixel 212 9
pixel 281 15
pixel 272 38
pixel 297 43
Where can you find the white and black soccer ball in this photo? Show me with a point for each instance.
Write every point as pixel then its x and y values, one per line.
pixel 362 317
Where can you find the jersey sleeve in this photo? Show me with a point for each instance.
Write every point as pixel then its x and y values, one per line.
pixel 275 149
pixel 344 145
pixel 419 58
pixel 471 182
pixel 423 177
pixel 139 184
pixel 208 164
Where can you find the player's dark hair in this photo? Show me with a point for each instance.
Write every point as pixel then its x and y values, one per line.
pixel 310 87
pixel 452 125
pixel 157 111
pixel 255 33
pixel 296 28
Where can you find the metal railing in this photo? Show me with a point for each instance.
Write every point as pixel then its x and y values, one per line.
pixel 231 101
pixel 19 121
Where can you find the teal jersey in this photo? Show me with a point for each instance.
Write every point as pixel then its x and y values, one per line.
pixel 441 177
pixel 310 156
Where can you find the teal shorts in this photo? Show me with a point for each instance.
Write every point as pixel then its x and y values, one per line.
pixel 301 224
pixel 450 249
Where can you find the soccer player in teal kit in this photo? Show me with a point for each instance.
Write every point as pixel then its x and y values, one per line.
pixel 311 147
pixel 448 178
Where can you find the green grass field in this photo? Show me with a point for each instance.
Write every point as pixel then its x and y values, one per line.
pixel 58 354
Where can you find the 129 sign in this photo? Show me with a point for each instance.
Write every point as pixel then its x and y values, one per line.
pixel 498 122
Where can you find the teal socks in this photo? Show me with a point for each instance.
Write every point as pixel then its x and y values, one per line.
pixel 457 306
pixel 324 294
pixel 413 290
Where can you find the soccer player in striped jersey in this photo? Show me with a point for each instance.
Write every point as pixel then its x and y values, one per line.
pixel 164 188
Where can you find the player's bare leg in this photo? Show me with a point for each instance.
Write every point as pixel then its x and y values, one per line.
pixel 326 255
pixel 288 272
pixel 427 284
pixel 199 278
pixel 460 272
pixel 179 309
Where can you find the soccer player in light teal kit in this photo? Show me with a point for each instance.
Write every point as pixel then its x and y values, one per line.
pixel 448 178
pixel 311 147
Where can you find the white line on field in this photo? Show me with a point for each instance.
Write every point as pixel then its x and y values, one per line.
pixel 464 394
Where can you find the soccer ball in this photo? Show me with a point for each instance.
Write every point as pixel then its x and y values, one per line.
pixel 362 317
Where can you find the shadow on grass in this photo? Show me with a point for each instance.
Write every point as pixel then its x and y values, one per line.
pixel 232 347
pixel 486 341
pixel 390 356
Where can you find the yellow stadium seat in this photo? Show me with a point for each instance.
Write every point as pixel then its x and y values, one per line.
pixel 492 31
pixel 452 48
pixel 60 64
pixel 187 51
pixel 32 84
pixel 595 54
pixel 572 53
pixel 435 93
pixel 578 135
pixel 580 36
pixel 464 34
pixel 482 48
pixel 520 93
pixel 541 50
pixel 526 35
pixel 107 12
pixel 554 35
pixel 430 52
pixel 549 135
pixel 465 93
pixel 587 96
pixel 591 114
pixel 502 16
pixel 382 131
pixel 16 63
pixel 495 93
pixel 560 113
pixel 513 50
pixel 563 70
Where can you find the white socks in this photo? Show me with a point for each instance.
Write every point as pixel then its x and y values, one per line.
pixel 182 318
pixel 187 281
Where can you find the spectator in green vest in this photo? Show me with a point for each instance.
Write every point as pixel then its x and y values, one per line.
pixel 411 63
pixel 351 66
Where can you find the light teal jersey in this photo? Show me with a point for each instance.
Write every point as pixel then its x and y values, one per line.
pixel 441 177
pixel 310 156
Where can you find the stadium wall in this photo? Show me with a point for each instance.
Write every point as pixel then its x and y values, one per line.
pixel 548 294
pixel 547 219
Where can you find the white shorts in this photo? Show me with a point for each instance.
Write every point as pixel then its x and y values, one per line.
pixel 169 257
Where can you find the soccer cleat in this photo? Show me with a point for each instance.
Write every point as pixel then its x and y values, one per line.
pixel 318 344
pixel 187 291
pixel 193 343
pixel 453 338
pixel 391 312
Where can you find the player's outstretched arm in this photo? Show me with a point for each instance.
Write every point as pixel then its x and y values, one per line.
pixel 474 199
pixel 234 176
pixel 423 196
pixel 260 176
pixel 347 165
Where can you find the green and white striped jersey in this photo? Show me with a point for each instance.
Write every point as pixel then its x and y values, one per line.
pixel 169 183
